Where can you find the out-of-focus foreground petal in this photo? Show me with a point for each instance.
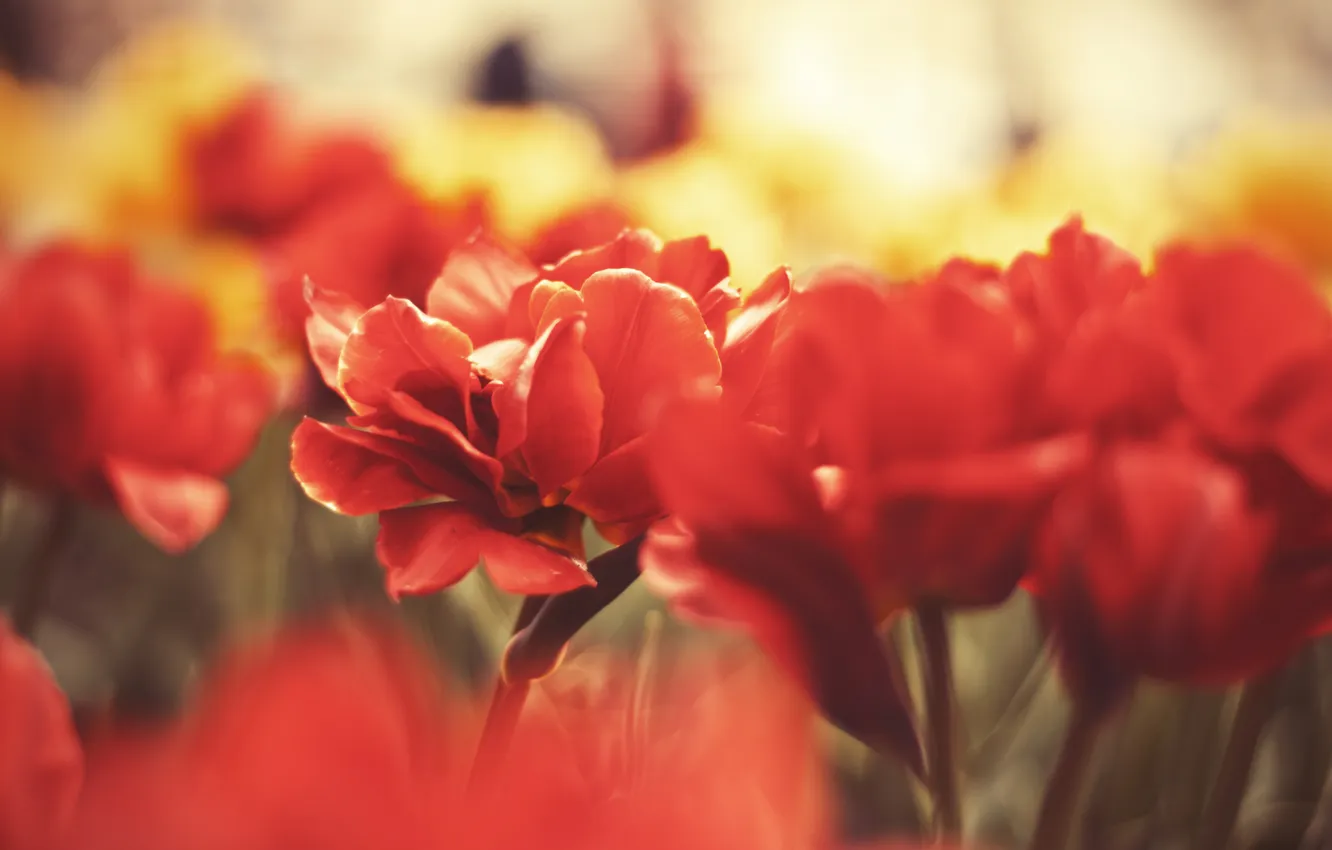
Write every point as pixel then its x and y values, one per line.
pixel 41 764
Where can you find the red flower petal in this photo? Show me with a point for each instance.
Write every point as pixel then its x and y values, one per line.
pixel 754 510
pixel 1303 426
pixel 394 343
pixel 499 360
pixel 750 338
pixel 42 765
pixel 649 345
pixel 552 409
pixel 173 509
pixel 355 472
pixel 1235 319
pixel 475 288
pixel 1080 274
pixel 441 440
pixel 631 249
pixel 331 320
pixel 552 301
pixel 693 265
pixel 617 489
pixel 1153 567
pixel 712 470
pixel 429 548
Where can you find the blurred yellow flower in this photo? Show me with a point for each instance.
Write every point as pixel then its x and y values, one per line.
pixel 1125 196
pixel 1269 181
pixel 530 165
pixel 695 190
pixel 831 202
pixel 28 118
pixel 122 170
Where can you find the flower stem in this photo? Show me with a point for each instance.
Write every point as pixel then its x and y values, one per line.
pixel 35 582
pixel 1257 703
pixel 940 709
pixel 1065 788
pixel 506 706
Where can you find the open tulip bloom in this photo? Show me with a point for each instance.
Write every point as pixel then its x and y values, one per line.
pixel 489 423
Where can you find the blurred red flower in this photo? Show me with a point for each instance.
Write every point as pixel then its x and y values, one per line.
pixel 588 225
pixel 524 397
pixel 324 204
pixel 336 736
pixel 1198 547
pixel 906 475
pixel 112 390
pixel 41 764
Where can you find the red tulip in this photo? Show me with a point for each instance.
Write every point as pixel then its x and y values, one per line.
pixel 907 475
pixel 41 764
pixel 335 737
pixel 522 396
pixel 328 737
pixel 111 390
pixel 1250 339
pixel 1079 278
pixel 1160 564
pixel 1197 549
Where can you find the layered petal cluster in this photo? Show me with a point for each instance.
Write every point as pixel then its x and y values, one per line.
pixel 522 397
pixel 41 764
pixel 336 736
pixel 1196 547
pixel 112 391
pixel 904 470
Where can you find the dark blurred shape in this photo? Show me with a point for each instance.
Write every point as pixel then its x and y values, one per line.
pixel 19 51
pixel 505 77
pixel 677 99
pixel 1025 135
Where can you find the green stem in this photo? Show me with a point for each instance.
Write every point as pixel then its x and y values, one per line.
pixel 940 709
pixel 1064 791
pixel 35 583
pixel 1257 702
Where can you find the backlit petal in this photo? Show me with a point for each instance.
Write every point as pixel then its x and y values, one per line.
pixel 332 317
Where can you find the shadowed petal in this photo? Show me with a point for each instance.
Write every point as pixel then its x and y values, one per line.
pixel 749 499
pixel 429 548
pixel 453 448
pixel 616 489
